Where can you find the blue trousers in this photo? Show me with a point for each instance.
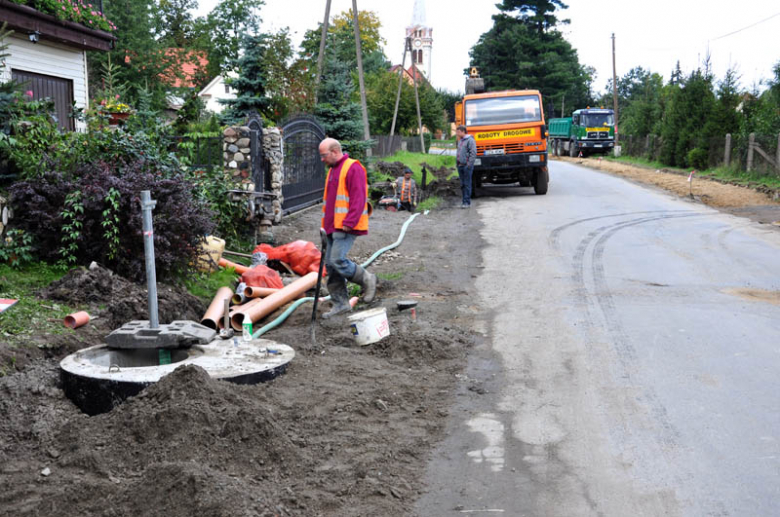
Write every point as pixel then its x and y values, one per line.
pixel 339 244
pixel 465 172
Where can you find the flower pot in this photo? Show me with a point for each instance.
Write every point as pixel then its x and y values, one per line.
pixel 115 118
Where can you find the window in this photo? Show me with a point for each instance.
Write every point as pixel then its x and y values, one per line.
pixel 503 110
pixel 420 57
pixel 227 88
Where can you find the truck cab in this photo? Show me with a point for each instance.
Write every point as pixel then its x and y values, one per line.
pixel 587 131
pixel 511 136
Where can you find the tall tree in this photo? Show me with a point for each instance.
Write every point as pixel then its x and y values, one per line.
pixel 175 23
pixel 251 84
pixel 524 50
pixel 228 23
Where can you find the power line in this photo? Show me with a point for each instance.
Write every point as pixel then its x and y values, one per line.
pixel 745 28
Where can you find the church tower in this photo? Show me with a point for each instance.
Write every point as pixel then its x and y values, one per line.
pixel 422 39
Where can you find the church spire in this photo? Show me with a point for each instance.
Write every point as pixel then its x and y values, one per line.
pixel 418 18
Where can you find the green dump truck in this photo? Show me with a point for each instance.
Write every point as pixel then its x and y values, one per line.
pixel 588 131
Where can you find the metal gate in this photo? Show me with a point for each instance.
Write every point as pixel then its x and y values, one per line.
pixel 304 173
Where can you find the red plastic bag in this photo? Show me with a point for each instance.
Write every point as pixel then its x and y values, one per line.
pixel 302 256
pixel 262 276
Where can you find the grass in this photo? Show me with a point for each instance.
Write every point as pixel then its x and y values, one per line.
pixel 205 285
pixel 429 204
pixel 391 276
pixel 415 160
pixel 30 314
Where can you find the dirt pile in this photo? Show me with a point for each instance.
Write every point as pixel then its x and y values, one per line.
pixel 123 300
pixel 345 432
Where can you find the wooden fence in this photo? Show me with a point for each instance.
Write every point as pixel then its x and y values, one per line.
pixel 754 153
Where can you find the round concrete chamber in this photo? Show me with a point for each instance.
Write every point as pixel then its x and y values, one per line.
pixel 99 378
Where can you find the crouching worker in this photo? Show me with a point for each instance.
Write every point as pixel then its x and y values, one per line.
pixel 405 189
pixel 344 218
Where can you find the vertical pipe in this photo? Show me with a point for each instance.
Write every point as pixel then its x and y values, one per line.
pixel 366 130
pixel 151 278
pixel 751 142
pixel 323 37
pixel 727 151
pixel 614 90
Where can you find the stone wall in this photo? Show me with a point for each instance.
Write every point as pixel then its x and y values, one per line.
pixel 238 160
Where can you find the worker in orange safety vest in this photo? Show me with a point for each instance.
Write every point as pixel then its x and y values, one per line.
pixel 345 212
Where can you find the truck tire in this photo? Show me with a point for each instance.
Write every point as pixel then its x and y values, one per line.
pixel 572 149
pixel 541 180
pixel 475 184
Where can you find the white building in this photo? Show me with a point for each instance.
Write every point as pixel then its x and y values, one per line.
pixel 49 56
pixel 217 90
pixel 422 39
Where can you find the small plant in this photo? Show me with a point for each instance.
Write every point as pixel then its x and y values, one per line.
pixel 429 204
pixel 16 248
pixel 114 106
pixel 71 230
pixel 111 222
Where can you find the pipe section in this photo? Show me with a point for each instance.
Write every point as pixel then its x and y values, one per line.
pixel 259 292
pixel 267 305
pixel 76 319
pixel 238 267
pixel 216 308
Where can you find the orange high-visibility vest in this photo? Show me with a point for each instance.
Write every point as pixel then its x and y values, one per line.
pixel 406 190
pixel 342 198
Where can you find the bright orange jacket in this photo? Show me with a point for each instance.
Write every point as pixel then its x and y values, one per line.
pixel 342 199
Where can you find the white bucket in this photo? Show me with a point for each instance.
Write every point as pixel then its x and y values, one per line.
pixel 369 326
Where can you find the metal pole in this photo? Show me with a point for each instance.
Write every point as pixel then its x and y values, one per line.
pixel 614 89
pixel 366 130
pixel 417 101
pixel 151 278
pixel 407 46
pixel 323 37
pixel 727 151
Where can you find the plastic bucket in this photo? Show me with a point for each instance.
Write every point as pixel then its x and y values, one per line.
pixel 369 326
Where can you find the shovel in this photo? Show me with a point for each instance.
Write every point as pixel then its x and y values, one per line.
pixel 323 247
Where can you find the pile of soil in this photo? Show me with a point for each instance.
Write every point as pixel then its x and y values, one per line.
pixel 345 431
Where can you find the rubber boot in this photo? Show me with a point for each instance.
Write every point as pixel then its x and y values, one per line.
pixel 339 297
pixel 367 281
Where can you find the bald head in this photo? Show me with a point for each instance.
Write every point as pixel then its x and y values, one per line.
pixel 330 152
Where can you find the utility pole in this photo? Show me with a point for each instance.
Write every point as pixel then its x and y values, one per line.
pixel 614 89
pixel 407 47
pixel 323 37
pixel 366 131
pixel 419 119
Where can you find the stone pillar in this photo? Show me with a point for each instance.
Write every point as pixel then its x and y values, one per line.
pixel 236 151
pixel 274 153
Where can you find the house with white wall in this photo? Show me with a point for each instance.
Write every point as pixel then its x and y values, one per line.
pixel 218 90
pixel 50 56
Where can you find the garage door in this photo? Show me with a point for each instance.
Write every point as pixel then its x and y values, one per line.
pixel 58 89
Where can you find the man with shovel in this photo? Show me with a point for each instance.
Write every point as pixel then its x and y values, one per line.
pixel 344 218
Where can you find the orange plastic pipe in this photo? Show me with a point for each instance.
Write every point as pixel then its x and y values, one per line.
pixel 216 310
pixel 76 319
pixel 238 267
pixel 259 292
pixel 265 306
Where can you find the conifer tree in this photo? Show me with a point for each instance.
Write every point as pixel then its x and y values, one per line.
pixel 251 83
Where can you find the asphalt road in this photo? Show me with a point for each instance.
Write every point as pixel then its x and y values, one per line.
pixel 630 361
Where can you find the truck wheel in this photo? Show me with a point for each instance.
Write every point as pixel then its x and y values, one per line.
pixel 475 184
pixel 558 150
pixel 572 149
pixel 541 179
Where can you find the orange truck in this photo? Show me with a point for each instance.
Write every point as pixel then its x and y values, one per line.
pixel 511 138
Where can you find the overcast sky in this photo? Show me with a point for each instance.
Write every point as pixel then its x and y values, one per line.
pixel 653 35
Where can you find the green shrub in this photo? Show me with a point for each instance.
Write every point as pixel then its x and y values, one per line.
pixel 698 158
